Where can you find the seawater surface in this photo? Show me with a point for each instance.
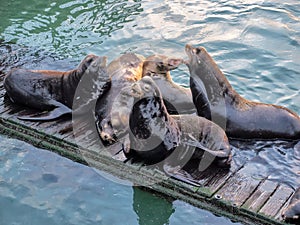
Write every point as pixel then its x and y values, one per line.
pixel 41 187
pixel 256 43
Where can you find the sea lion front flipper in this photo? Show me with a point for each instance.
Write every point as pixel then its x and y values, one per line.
pixel 181 175
pixel 59 110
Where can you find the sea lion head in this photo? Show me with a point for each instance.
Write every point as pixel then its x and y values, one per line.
pixel 196 55
pixel 144 88
pixel 160 66
pixel 91 60
pixel 128 65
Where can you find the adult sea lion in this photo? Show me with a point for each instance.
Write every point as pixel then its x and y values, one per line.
pixel 153 134
pixel 123 71
pixel 216 100
pixel 177 99
pixel 48 89
pixel 292 212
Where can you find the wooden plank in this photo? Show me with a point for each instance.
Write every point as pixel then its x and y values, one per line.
pixel 69 137
pixel 279 213
pixel 201 177
pixel 25 123
pixel 56 126
pixel 12 111
pixel 261 195
pixel 120 156
pixel 221 177
pixel 240 186
pixel 274 205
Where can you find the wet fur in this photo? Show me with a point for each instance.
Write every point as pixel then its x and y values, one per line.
pixel 46 89
pixel 240 117
pixel 177 99
pixel 150 118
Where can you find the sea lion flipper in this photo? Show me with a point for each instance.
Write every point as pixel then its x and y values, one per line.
pixel 57 112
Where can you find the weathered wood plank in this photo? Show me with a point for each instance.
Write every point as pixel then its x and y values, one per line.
pixel 261 195
pixel 238 188
pixel 277 201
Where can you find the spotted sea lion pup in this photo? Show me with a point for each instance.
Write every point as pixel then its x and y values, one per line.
pixel 177 99
pixel 49 90
pixel 153 134
pixel 216 100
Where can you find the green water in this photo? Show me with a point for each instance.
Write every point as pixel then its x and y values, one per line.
pixel 255 42
pixel 40 187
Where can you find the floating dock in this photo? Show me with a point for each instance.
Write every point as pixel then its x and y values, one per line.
pixel 231 193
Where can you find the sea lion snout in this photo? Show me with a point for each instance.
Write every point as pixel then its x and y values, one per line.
pixel 195 55
pixel 107 137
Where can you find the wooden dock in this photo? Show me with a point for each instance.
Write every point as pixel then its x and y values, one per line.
pixel 231 193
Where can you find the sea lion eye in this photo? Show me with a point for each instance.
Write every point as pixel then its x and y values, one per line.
pixel 196 51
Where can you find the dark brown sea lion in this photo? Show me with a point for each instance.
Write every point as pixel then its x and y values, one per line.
pixel 48 89
pixel 216 100
pixel 292 213
pixel 153 134
pixel 177 99
pixel 123 71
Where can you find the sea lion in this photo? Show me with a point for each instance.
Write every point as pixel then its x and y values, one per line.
pixel 292 212
pixel 123 71
pixel 48 89
pixel 177 99
pixel 153 134
pixel 216 100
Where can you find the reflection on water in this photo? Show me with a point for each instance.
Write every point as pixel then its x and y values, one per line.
pixel 40 187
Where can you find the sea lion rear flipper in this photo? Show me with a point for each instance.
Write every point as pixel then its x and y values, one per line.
pixel 180 174
pixel 57 112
